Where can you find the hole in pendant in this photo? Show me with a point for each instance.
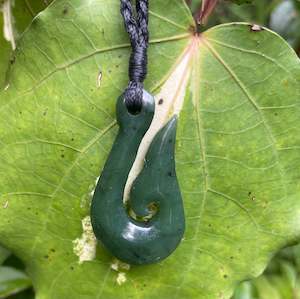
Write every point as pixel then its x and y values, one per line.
pixel 133 107
pixel 153 209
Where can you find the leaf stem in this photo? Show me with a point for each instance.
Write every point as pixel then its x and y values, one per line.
pixel 205 10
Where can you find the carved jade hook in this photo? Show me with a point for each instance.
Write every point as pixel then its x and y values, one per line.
pixel 130 240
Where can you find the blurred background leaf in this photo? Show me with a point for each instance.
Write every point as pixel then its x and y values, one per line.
pixel 17 288
pixel 241 1
pixel 281 280
pixel 12 281
pixel 282 16
pixel 23 11
pixel 285 19
pixel 4 254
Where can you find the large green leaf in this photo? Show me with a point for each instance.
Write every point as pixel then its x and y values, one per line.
pixel 237 91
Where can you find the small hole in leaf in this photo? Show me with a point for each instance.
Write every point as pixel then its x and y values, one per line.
pixel 99 78
pixel 133 108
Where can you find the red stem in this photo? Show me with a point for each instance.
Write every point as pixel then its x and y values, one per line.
pixel 207 8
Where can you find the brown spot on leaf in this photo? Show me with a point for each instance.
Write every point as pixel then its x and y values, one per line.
pixel 12 59
pixel 251 196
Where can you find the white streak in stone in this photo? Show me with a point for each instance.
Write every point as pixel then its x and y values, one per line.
pixel 169 101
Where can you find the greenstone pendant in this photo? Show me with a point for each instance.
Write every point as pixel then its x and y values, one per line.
pixel 130 240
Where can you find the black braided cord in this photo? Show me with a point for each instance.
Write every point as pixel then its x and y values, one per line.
pixel 137 28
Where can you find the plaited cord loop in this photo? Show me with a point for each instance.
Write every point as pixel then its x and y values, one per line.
pixel 137 28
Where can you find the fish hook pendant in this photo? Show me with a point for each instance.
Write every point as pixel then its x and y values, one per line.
pixel 130 240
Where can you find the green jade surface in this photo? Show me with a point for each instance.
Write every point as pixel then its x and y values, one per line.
pixel 134 241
